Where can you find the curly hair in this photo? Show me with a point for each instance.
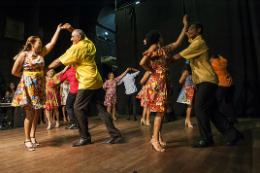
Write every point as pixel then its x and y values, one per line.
pixel 152 37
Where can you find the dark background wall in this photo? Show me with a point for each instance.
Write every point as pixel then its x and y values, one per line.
pixel 231 30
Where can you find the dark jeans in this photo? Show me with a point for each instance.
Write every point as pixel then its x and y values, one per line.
pixel 69 107
pixel 127 101
pixel 206 108
pixel 224 97
pixel 83 99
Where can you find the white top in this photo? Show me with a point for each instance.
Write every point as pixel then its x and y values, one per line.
pixel 129 82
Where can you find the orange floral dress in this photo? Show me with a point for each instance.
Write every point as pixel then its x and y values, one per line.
pixel 30 92
pixel 52 93
pixel 158 88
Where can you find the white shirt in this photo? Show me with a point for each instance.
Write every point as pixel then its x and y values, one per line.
pixel 129 82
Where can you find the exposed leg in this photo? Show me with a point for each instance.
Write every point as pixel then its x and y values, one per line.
pixel 114 112
pixel 57 114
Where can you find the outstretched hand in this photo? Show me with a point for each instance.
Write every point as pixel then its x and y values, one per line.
pixel 65 69
pixel 68 27
pixel 60 26
pixel 185 20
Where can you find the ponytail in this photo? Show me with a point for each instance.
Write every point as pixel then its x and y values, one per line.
pixel 27 46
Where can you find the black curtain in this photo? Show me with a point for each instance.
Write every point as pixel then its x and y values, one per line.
pixel 230 29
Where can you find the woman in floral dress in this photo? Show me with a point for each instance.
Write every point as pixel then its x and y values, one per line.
pixel 110 87
pixel 52 101
pixel 157 60
pixel 30 93
pixel 187 93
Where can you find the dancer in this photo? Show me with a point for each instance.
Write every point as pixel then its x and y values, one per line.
pixel 144 103
pixel 186 95
pixel 225 91
pixel 130 91
pixel 206 80
pixel 110 88
pixel 64 92
pixel 157 60
pixel 30 93
pixel 82 55
pixel 70 74
pixel 52 96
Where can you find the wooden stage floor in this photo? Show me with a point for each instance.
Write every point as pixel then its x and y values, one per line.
pixel 133 154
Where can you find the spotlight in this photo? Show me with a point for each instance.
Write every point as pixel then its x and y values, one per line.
pixel 137 2
pixel 106 33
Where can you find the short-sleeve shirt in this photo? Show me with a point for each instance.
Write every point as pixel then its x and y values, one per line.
pixel 129 82
pixel 220 67
pixel 197 54
pixel 82 57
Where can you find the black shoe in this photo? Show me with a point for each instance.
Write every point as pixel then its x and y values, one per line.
pixel 238 139
pixel 134 119
pixel 72 126
pixel 112 140
pixel 81 142
pixel 202 144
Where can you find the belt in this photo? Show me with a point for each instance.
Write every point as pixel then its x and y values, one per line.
pixel 40 73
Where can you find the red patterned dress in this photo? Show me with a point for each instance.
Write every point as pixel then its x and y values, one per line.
pixel 30 92
pixel 158 87
pixel 110 87
pixel 52 93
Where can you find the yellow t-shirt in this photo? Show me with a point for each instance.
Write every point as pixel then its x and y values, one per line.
pixel 197 54
pixel 82 57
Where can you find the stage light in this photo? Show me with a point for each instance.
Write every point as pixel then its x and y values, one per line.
pixel 137 2
pixel 106 33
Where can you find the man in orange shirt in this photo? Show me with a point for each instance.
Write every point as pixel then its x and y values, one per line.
pixel 225 91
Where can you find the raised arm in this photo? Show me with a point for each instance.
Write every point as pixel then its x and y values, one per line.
pixel 182 35
pixel 48 47
pixel 134 69
pixel 68 27
pixel 145 77
pixel 18 64
pixel 183 77
pixel 123 74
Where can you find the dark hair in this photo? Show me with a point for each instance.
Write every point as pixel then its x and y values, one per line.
pixel 198 25
pixel 187 67
pixel 9 89
pixel 152 37
pixel 27 46
pixel 109 74
pixel 213 55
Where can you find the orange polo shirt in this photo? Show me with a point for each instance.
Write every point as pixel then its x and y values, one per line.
pixel 220 67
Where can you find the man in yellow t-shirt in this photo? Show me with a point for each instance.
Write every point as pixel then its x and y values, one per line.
pixel 205 104
pixel 82 56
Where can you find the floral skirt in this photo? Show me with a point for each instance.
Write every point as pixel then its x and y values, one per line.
pixel 30 93
pixel 110 99
pixel 156 94
pixel 187 94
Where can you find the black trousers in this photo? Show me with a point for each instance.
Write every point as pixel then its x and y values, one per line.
pixel 206 109
pixel 224 97
pixel 127 102
pixel 83 99
pixel 70 107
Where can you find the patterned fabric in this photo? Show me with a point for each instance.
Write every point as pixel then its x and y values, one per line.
pixel 30 92
pixel 52 93
pixel 187 92
pixel 158 87
pixel 65 93
pixel 110 87
pixel 144 101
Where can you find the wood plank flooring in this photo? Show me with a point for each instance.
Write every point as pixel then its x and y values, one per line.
pixel 133 154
